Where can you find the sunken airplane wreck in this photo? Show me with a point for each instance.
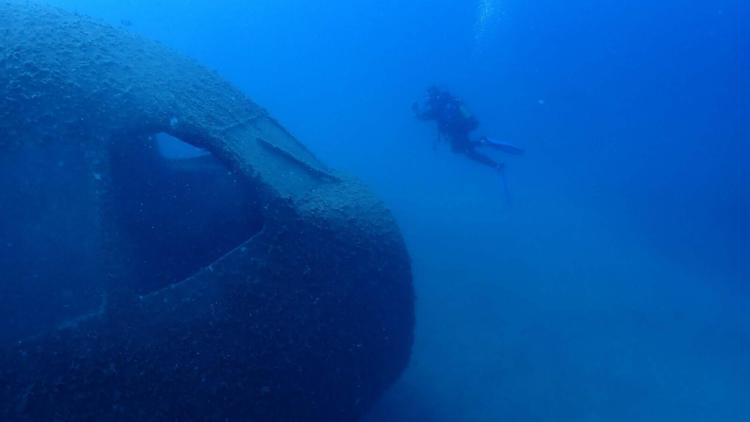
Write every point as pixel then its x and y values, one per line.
pixel 249 282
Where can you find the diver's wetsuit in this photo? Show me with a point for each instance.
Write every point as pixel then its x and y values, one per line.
pixel 455 123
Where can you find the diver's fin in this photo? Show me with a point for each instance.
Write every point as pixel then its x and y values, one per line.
pixel 503 146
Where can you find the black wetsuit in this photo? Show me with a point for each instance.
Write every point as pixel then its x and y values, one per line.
pixel 454 123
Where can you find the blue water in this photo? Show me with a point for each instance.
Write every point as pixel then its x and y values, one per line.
pixel 615 287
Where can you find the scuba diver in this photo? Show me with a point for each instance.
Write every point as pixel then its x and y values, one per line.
pixel 455 123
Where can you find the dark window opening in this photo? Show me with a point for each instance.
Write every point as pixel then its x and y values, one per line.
pixel 179 208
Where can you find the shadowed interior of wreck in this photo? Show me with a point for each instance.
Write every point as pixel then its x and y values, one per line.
pixel 179 208
pixel 49 238
pixel 176 209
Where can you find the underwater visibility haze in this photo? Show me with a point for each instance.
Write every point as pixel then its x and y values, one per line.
pixel 175 243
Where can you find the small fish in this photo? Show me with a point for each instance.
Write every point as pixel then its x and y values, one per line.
pixel 126 22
